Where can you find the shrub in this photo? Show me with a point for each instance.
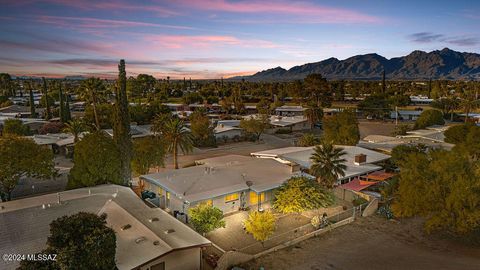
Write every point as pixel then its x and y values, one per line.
pixel 206 218
pixel 51 127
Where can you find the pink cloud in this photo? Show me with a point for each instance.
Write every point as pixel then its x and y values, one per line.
pixel 302 11
pixel 183 41
pixel 111 5
pixel 85 22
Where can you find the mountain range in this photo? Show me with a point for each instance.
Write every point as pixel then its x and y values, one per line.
pixel 418 65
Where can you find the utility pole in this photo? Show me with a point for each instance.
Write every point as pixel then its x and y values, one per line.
pixel 396 115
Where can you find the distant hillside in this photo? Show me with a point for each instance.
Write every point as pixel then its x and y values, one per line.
pixel 444 64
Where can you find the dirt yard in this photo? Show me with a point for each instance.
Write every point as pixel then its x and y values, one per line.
pixel 375 128
pixel 374 243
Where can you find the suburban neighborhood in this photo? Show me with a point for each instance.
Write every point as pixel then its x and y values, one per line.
pixel 156 135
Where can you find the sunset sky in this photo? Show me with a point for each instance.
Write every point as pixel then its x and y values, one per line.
pixel 215 38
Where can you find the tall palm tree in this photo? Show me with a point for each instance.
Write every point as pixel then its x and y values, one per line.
pixel 313 113
pixel 174 132
pixel 328 164
pixel 90 90
pixel 75 127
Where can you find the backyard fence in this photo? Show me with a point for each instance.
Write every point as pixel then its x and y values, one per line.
pixel 285 239
pixel 302 231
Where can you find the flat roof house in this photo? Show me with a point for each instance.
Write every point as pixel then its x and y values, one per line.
pixel 231 183
pixel 360 161
pixel 154 240
pixel 224 132
pixel 289 110
pixel 294 123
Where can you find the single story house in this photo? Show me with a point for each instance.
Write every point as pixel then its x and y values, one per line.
pixel 359 161
pixel 230 182
pixel 410 115
pixel 294 123
pixel 17 111
pixel 231 123
pixel 289 110
pixel 224 132
pixel 420 100
pixel 147 238
pixel 175 107
pixel 433 133
pixel 387 143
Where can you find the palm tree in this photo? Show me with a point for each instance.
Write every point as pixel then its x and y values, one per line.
pixel 313 113
pixel 308 139
pixel 90 90
pixel 328 164
pixel 75 127
pixel 176 135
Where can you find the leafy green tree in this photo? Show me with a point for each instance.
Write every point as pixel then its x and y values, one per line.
pixel 148 152
pixel 175 134
pixel 260 225
pixel 31 101
pixel 192 98
pixel 446 105
pixel 468 104
pixel 443 187
pixel 48 112
pixel 202 130
pixel 429 118
pixel 313 113
pixel 15 127
pixel 400 153
pixel 263 106
pixel 399 100
pixel 81 241
pixel 301 194
pixel 6 85
pixel 401 129
pixel 20 157
pixel 319 89
pixel 328 164
pixel 121 124
pixel 96 161
pixel 376 106
pixel 92 90
pixel 75 127
pixel 206 218
pixel 458 133
pixel 342 128
pixel 308 139
pixel 255 126
pixel 104 114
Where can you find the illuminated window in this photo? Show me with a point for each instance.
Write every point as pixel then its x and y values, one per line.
pixel 160 191
pixel 254 197
pixel 168 195
pixel 231 197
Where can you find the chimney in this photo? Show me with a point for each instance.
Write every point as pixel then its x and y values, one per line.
pixel 295 168
pixel 360 159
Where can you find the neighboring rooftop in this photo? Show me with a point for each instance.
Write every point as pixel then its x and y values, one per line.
pixel 24 224
pixel 286 108
pixel 301 156
pixel 137 131
pixel 220 176
pixel 285 121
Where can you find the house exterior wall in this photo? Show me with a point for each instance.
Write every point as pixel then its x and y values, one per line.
pixel 187 259
pixel 229 134
pixel 176 204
